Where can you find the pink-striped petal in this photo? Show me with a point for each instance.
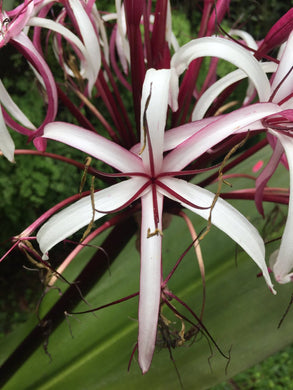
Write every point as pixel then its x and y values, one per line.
pixel 286 63
pixel 150 282
pixel 154 104
pixel 215 132
pixel 282 260
pixel 225 217
pixel 79 214
pixel 94 145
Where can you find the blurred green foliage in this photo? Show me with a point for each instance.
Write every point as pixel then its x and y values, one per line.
pixel 274 373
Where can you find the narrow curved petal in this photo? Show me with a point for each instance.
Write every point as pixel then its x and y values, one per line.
pixel 283 263
pixel 215 132
pixel 150 282
pixel 154 104
pixel 286 62
pixel 91 68
pixel 227 50
pixel 79 214
pixel 95 145
pixel 6 142
pixel 225 217
pixel 207 98
pixel 90 40
pixel 14 110
pixel 174 137
pixel 248 39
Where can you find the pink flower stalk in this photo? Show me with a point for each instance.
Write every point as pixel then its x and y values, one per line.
pixel 151 178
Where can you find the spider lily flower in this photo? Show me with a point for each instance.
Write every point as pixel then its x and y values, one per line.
pixel 151 177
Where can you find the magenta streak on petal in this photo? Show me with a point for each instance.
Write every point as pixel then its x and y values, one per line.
pixel 130 200
pixel 188 172
pixel 95 145
pixel 179 197
pixel 150 282
pixel 281 83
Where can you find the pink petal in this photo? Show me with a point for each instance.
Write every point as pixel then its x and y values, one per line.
pixel 80 213
pixel 95 145
pixel 215 132
pixel 225 217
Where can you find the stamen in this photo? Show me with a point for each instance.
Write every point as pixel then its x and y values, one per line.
pixel 221 181
pixel 90 225
pixel 145 125
pixel 88 161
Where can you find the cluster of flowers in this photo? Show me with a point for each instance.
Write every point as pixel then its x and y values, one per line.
pixel 134 48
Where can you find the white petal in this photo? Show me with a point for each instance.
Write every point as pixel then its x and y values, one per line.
pixel 150 282
pixel 225 217
pixel 286 63
pixel 95 145
pixel 227 50
pixel 14 110
pixel 174 137
pixel 6 142
pixel 248 39
pixel 154 100
pixel 207 98
pixel 79 214
pixel 215 132
pixel 90 50
pixel 90 40
pixel 121 41
pixel 283 264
